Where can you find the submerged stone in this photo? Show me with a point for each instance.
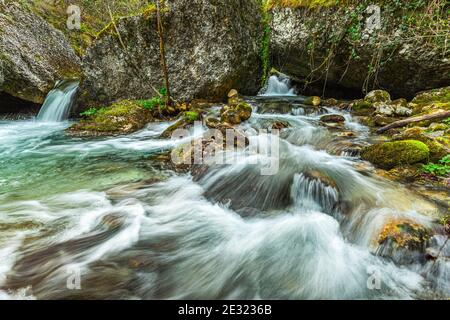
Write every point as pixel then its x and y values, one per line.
pixel 333 118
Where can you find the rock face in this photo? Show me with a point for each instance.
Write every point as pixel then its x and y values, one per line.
pixel 33 55
pixel 331 44
pixel 211 47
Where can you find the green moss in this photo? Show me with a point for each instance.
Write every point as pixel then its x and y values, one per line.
pixel 121 117
pixel 361 105
pixel 191 116
pixel 388 155
pixel 300 3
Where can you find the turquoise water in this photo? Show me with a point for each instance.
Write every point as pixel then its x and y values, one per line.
pixel 105 211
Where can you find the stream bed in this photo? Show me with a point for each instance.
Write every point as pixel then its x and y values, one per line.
pixel 101 218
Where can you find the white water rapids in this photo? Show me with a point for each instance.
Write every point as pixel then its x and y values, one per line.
pixel 134 229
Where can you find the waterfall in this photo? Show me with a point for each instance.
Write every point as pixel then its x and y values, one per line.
pixel 57 105
pixel 279 87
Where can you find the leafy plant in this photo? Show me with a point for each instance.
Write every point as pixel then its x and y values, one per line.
pixel 89 112
pixel 440 169
pixel 155 102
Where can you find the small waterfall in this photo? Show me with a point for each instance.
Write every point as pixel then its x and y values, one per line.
pixel 279 87
pixel 313 194
pixel 57 105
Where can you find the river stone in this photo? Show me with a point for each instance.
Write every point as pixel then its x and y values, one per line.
pixel 33 54
pixel 211 48
pixel 388 155
pixel 332 118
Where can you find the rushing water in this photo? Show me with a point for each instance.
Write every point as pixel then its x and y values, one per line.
pixel 57 105
pixel 106 210
pixel 279 87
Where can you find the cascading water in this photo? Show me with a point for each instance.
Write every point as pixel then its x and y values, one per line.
pixel 279 87
pixel 132 228
pixel 57 105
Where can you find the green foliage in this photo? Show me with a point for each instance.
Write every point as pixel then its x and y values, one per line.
pixel 191 116
pixel 154 102
pixel 89 112
pixel 440 169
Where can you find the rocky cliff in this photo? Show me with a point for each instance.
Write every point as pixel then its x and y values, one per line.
pixel 212 47
pixel 33 55
pixel 343 47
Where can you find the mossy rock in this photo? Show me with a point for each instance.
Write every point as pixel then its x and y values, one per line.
pixel 377 96
pixel 236 114
pixel 437 149
pixel 430 101
pixel 313 101
pixel 122 117
pixel 361 106
pixel 389 155
pixel 185 122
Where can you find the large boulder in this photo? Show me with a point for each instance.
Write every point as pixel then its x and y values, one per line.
pixel 33 54
pixel 211 47
pixel 332 44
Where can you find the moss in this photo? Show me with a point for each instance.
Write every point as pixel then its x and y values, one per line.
pixel 299 3
pixel 378 96
pixel 437 149
pixel 191 116
pixel 405 234
pixel 121 117
pixel 361 105
pixel 388 155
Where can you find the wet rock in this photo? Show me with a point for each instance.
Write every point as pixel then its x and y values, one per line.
pixel 211 48
pixel 236 114
pixel 331 102
pixel 233 97
pixel 313 101
pixel 378 96
pixel 401 108
pixel 361 107
pixel 437 149
pixel 382 121
pixel 405 242
pixel 186 120
pixel 122 117
pixel 381 108
pixel 333 118
pixel 388 155
pixel 33 54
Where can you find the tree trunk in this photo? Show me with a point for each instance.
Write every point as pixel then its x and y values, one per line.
pixel 405 122
pixel 162 51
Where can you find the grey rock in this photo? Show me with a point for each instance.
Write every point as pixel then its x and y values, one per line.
pixel 211 47
pixel 33 54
